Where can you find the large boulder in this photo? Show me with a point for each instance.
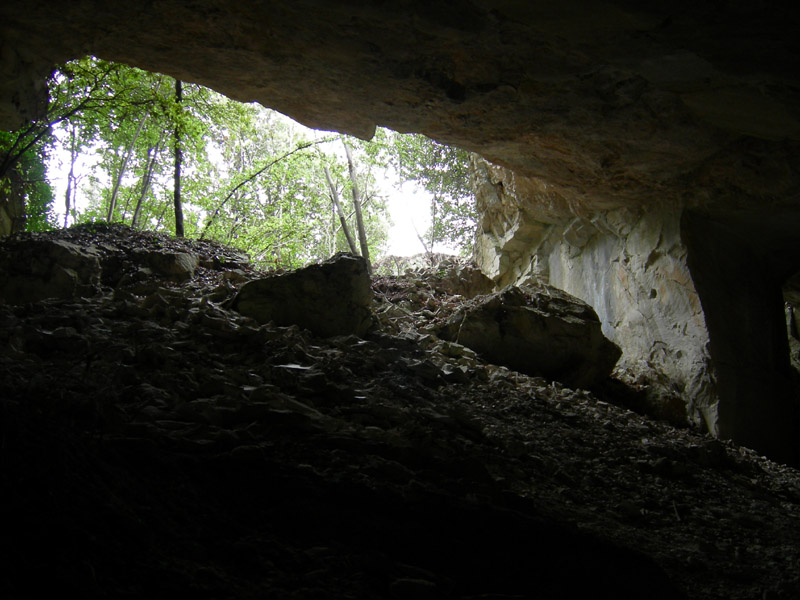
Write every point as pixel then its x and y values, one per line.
pixel 457 278
pixel 330 298
pixel 178 266
pixel 33 268
pixel 537 330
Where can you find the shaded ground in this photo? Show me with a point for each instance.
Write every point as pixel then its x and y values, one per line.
pixel 155 444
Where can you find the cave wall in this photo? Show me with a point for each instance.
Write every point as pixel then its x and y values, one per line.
pixel 614 100
pixel 695 301
pixel 616 118
pixel 629 264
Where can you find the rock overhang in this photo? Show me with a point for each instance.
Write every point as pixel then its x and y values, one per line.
pixel 612 103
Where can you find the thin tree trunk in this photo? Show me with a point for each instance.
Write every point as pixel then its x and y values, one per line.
pixel 178 160
pixel 147 179
pixel 124 211
pixel 362 233
pixel 340 212
pixel 28 139
pixel 433 224
pixel 332 234
pixel 422 241
pixel 71 183
pixel 112 203
pixel 161 217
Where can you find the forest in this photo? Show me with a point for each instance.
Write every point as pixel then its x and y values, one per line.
pixel 159 154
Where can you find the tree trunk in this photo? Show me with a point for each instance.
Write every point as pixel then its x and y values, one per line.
pixel 147 179
pixel 112 203
pixel 433 224
pixel 69 201
pixel 178 161
pixel 362 233
pixel 340 212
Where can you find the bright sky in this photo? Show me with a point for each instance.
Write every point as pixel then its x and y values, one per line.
pixel 409 208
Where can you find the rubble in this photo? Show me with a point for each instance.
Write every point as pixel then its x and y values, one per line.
pixel 158 443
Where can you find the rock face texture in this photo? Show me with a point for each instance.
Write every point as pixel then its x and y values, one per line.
pixel 331 298
pixel 611 101
pixel 541 332
pixel 446 272
pixel 693 298
pixel 81 261
pixel 642 138
pixel 629 265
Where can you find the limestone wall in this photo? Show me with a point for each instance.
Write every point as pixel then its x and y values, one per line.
pixel 629 264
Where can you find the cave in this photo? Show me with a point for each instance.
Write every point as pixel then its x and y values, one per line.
pixel 641 157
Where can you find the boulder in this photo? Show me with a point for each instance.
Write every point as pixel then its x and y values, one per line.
pixel 537 330
pixel 178 266
pixel 330 298
pixel 446 273
pixel 463 280
pixel 33 269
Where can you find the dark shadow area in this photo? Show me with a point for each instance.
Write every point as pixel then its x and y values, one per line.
pixel 791 297
pixel 738 264
pixel 158 445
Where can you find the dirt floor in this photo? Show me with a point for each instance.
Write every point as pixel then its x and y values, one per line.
pixel 155 444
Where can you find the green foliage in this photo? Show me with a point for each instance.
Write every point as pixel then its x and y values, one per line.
pixel 39 192
pixel 250 177
pixel 27 193
pixel 443 171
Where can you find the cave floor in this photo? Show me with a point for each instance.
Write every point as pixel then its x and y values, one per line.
pixel 155 444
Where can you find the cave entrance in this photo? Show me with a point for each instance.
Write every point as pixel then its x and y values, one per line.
pixel 122 146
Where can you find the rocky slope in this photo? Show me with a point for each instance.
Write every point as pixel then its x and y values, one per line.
pixel 155 443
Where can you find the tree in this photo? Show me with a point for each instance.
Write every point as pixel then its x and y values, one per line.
pixel 443 171
pixel 278 203
pixel 74 90
pixel 354 188
pixel 26 197
pixel 124 123
pixel 339 211
pixel 239 174
pixel 178 160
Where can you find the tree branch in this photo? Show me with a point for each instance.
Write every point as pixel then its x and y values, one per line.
pixel 256 174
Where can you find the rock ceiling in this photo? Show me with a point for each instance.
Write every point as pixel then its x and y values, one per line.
pixel 608 102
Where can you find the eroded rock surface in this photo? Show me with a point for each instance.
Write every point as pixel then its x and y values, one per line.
pixel 42 268
pixel 80 261
pixel 617 118
pixel 446 272
pixel 612 103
